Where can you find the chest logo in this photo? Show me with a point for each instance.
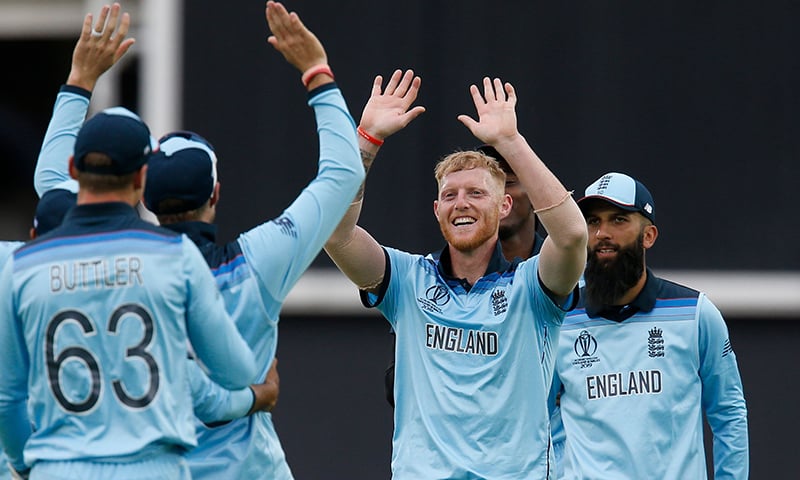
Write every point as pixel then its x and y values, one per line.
pixel 499 302
pixel 655 343
pixel 436 297
pixel 585 347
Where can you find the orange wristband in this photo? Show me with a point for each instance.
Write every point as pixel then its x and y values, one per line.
pixel 369 137
pixel 312 72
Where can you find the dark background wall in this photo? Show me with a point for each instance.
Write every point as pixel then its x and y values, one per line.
pixel 696 99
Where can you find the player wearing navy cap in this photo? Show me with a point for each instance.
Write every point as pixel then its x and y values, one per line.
pixel 642 359
pixel 474 331
pixel 98 315
pixel 91 58
pixel 256 271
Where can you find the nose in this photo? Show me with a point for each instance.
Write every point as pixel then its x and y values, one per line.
pixel 462 200
pixel 601 231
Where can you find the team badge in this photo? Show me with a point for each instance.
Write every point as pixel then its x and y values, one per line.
pixel 499 302
pixel 655 343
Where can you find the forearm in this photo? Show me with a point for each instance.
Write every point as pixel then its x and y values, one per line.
pixel 15 431
pixel 563 255
pixel 69 113
pixel 351 248
pixel 265 396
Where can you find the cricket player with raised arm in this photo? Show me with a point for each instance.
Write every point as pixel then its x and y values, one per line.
pixel 97 317
pixel 475 332
pixel 256 271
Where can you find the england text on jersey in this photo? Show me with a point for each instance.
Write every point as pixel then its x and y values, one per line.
pixel 460 340
pixel 641 382
pixel 97 273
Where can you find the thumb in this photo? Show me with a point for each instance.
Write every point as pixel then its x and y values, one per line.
pixel 468 122
pixel 410 115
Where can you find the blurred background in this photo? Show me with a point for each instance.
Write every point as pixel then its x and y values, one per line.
pixel 698 100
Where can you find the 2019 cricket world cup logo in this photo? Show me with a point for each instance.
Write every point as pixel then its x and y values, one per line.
pixel 585 347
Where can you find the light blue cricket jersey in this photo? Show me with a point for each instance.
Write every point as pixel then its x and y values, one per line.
pixel 473 369
pixel 635 390
pixel 6 248
pixel 52 166
pixel 255 274
pixel 97 315
pixel 212 403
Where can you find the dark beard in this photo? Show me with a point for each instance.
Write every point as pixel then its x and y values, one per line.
pixel 608 281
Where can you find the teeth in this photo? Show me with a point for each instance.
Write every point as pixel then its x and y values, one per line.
pixel 463 221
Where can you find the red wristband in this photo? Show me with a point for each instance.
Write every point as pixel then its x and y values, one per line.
pixel 369 137
pixel 312 72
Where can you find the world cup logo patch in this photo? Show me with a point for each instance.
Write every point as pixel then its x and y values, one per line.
pixel 585 347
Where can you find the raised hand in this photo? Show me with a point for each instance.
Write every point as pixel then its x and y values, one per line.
pixel 289 36
pixel 389 110
pixel 100 46
pixel 497 119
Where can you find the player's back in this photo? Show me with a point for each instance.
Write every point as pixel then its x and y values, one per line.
pixel 103 312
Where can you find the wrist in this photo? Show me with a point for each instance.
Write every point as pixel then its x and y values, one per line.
pixel 78 81
pixel 313 73
pixel 368 137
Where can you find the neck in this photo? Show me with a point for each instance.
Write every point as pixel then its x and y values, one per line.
pixel 86 197
pixel 472 264
pixel 519 244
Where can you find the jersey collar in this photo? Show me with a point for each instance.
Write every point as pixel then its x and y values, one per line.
pixel 200 233
pixel 497 264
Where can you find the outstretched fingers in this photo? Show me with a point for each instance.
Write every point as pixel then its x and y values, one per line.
pixel 100 25
pixel 394 81
pixel 377 86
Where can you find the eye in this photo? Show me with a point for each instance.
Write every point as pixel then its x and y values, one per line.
pixel 592 221
pixel 620 219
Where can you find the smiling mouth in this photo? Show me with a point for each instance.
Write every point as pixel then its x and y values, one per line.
pixel 460 221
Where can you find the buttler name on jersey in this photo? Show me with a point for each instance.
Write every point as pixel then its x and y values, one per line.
pixel 98 273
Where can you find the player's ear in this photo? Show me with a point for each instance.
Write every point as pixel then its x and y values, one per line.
pixel 140 177
pixel 505 205
pixel 649 235
pixel 214 195
pixel 32 233
pixel 73 172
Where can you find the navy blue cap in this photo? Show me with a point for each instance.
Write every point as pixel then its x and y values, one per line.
pixel 52 208
pixel 184 169
pixel 121 135
pixel 623 191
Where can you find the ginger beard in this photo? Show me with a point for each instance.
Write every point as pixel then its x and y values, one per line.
pixel 476 234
